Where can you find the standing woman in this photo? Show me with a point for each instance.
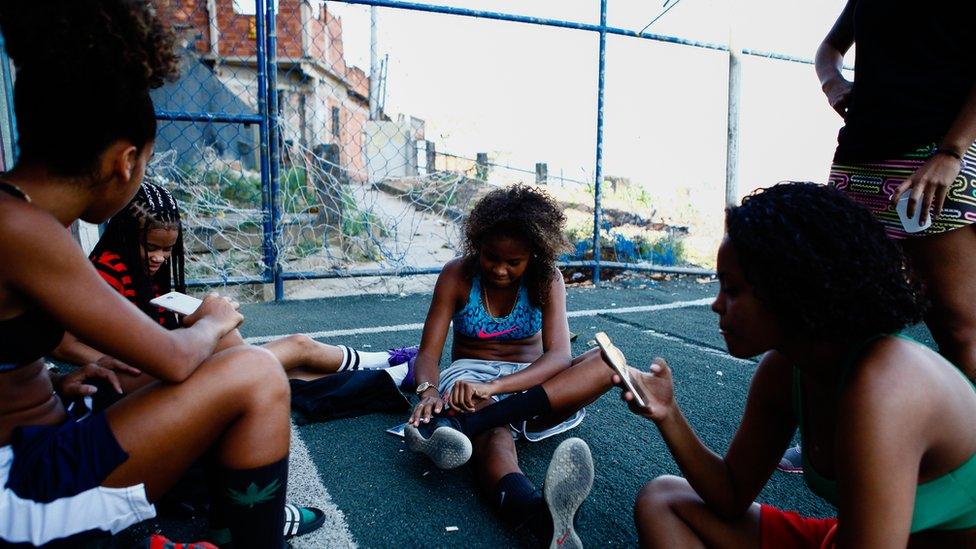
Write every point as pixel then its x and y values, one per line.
pixel 909 126
pixel 86 128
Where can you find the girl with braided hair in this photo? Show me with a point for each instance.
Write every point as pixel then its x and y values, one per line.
pixel 141 256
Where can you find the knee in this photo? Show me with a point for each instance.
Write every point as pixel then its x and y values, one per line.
pixel 301 343
pixel 495 441
pixel 256 373
pixel 658 496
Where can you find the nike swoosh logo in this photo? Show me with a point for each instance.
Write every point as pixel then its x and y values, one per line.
pixel 483 335
pixel 562 540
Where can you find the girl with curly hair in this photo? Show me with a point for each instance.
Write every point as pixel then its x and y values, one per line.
pixel 86 129
pixel 512 369
pixel 809 281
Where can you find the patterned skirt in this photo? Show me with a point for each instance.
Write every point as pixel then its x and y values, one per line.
pixel 872 184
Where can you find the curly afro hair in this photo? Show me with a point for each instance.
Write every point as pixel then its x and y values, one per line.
pixel 822 264
pixel 524 213
pixel 84 71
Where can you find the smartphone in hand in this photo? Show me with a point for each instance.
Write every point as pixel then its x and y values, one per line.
pixel 619 364
pixel 177 302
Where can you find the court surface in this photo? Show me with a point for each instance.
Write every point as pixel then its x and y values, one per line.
pixel 378 494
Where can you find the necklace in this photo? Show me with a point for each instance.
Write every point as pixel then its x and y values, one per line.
pixel 487 304
pixel 14 190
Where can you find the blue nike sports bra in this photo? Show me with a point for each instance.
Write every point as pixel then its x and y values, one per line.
pixel 474 322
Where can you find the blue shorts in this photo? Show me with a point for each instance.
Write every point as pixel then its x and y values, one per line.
pixel 51 478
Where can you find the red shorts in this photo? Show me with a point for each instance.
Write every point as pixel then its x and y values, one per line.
pixel 778 528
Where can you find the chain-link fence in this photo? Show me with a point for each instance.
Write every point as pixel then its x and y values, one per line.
pixel 289 166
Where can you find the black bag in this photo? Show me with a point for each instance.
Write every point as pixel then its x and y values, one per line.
pixel 347 394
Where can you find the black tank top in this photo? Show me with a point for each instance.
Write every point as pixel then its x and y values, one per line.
pixel 33 334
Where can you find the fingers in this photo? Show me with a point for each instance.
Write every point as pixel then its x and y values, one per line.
pixel 927 198
pixel 97 371
pixel 915 200
pixel 940 196
pixel 905 185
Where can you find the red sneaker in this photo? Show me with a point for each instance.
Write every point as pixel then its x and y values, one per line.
pixel 159 541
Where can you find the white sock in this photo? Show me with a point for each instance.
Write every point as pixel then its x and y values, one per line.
pixel 361 360
pixel 398 373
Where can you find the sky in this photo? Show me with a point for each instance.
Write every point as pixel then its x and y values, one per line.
pixel 527 94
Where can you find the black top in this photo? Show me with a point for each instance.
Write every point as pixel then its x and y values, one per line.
pixel 33 334
pixel 914 67
pixel 26 338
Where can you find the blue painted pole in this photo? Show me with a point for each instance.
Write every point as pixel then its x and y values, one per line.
pixel 464 12
pixel 261 65
pixel 187 116
pixel 273 150
pixel 601 87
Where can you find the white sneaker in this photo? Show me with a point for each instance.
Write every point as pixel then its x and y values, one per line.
pixel 568 482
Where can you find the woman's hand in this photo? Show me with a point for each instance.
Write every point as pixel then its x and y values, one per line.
pixel 116 365
pixel 656 389
pixel 220 309
pixel 838 92
pixel 428 406
pixel 72 386
pixel 929 185
pixel 466 394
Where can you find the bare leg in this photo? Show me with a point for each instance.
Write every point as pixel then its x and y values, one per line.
pixel 238 398
pixel 946 264
pixel 304 356
pixel 669 513
pixel 575 387
pixel 494 457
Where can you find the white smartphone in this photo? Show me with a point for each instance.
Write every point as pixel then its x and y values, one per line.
pixel 177 302
pixel 618 362
pixel 911 224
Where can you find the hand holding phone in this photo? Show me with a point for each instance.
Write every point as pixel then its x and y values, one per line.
pixel 177 302
pixel 911 224
pixel 618 362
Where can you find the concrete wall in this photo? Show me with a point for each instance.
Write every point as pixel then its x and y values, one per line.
pixel 391 150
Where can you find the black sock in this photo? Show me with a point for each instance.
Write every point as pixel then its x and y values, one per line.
pixel 518 407
pixel 520 503
pixel 252 502
pixel 217 513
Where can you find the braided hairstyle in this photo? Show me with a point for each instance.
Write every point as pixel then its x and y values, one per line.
pixel 153 207
pixel 523 213
pixel 84 71
pixel 822 264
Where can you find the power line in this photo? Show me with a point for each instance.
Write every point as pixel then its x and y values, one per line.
pixel 666 10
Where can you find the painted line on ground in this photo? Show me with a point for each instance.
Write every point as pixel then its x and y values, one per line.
pixel 305 488
pixel 420 326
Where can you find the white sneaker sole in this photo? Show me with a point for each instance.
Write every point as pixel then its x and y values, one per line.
pixel 568 482
pixel 447 448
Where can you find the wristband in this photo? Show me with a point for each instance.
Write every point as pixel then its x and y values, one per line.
pixel 948 152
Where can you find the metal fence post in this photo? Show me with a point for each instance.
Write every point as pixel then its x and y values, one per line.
pixel 274 145
pixel 599 143
pixel 732 139
pixel 260 61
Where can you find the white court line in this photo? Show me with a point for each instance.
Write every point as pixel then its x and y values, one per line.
pixel 420 325
pixel 305 488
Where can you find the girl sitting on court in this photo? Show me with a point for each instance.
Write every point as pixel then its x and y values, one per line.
pixel 808 280
pixel 507 302
pixel 86 129
pixel 141 256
